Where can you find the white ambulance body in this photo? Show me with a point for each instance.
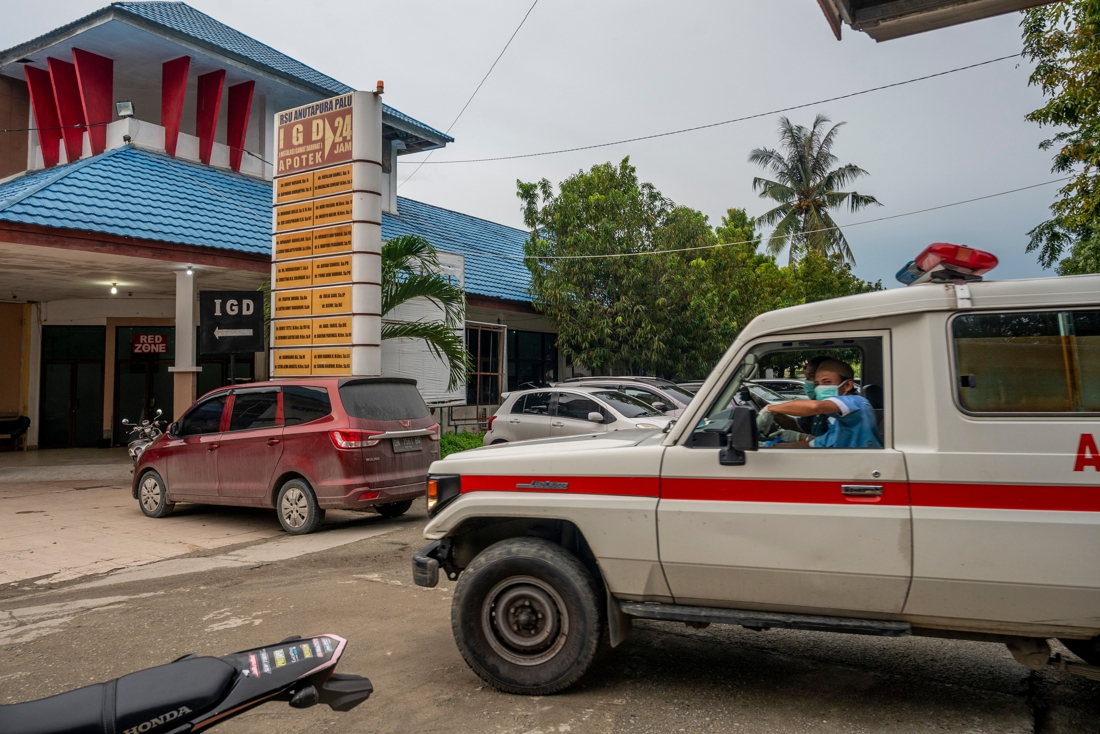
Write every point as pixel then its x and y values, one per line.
pixel 979 519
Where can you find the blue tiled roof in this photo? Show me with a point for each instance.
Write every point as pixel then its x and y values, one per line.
pixel 185 20
pixel 475 238
pixel 131 192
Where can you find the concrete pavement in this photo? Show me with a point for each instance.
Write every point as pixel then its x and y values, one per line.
pixel 66 514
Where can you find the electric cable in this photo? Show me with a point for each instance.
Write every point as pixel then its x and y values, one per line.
pixel 717 124
pixel 760 239
pixel 471 99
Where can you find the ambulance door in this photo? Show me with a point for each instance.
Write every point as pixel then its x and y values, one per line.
pixel 796 529
pixel 1006 493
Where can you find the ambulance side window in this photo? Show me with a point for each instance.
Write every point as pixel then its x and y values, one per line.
pixel 1028 362
pixel 860 423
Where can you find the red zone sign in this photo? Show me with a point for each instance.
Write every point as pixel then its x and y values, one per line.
pixel 150 344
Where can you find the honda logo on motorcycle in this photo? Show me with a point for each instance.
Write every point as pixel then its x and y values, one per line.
pixel 162 719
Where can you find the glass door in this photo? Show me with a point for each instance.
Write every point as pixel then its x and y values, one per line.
pixel 143 383
pixel 71 407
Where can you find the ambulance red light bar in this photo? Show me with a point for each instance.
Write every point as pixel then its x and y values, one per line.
pixel 944 262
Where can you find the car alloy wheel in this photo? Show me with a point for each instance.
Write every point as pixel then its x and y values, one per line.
pixel 150 493
pixel 294 508
pixel 525 620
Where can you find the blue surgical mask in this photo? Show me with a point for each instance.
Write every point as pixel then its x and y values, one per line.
pixel 821 392
pixel 808 386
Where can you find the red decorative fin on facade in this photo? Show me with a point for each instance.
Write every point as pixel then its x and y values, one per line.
pixel 45 114
pixel 240 104
pixel 206 111
pixel 173 85
pixel 66 93
pixel 96 76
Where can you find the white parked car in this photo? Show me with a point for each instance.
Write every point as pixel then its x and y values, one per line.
pixel 568 411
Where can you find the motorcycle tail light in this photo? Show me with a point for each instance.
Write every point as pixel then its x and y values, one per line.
pixel 353 438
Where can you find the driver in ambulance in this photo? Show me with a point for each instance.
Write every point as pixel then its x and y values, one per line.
pixel 851 418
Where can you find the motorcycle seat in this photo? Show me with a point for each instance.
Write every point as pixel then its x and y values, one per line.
pixel 149 701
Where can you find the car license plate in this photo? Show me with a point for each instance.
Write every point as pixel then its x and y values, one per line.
pixel 401 445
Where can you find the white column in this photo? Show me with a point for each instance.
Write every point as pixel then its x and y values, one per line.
pixel 185 368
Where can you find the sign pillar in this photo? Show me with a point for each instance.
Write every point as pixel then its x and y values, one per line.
pixel 185 377
pixel 326 271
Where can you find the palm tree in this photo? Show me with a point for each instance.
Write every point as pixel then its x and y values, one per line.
pixel 410 269
pixel 806 188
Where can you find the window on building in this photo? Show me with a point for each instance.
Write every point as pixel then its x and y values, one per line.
pixel 1033 362
pixel 532 359
pixel 485 343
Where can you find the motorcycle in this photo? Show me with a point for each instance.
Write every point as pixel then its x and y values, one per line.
pixel 142 435
pixel 194 693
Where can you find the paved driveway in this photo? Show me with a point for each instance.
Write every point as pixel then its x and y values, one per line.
pixel 68 513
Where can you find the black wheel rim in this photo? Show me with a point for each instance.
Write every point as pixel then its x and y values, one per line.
pixel 525 620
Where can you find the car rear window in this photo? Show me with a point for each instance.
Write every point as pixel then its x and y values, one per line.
pixel 1037 362
pixel 383 401
pixel 304 404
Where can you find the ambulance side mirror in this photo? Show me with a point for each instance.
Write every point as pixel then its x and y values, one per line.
pixel 738 435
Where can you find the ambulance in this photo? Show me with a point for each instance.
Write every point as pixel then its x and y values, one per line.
pixel 974 515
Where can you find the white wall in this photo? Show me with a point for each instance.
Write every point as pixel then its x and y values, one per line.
pixel 96 311
pixel 411 357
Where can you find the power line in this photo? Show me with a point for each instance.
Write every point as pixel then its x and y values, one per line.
pixel 716 124
pixel 758 240
pixel 471 99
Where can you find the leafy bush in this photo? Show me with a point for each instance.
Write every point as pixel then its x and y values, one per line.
pixel 452 443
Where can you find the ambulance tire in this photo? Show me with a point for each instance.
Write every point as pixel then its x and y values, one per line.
pixel 1087 650
pixel 526 616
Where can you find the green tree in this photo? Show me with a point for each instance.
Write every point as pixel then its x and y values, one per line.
pixel 807 187
pixel 410 269
pixel 584 276
pixel 1064 42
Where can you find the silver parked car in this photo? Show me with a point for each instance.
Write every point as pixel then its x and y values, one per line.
pixel 571 410
pixel 663 395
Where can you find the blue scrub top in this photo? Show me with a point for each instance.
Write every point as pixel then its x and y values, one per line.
pixel 854 427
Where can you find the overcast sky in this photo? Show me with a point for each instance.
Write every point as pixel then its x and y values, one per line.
pixel 583 72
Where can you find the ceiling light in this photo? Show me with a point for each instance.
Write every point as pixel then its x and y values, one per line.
pixel 190 271
pixel 124 109
pixel 114 288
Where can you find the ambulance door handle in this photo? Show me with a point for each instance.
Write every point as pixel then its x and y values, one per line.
pixel 861 490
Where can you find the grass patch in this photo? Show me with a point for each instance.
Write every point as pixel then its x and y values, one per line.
pixel 452 443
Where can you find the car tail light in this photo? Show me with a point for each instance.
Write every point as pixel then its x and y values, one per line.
pixel 489 425
pixel 370 494
pixel 353 438
pixel 434 435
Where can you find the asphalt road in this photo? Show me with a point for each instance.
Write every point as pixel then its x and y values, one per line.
pixel 665 678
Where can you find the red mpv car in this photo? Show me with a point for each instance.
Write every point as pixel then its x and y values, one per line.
pixel 299 446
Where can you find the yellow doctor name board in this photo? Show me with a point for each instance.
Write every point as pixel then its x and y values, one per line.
pixel 326 238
